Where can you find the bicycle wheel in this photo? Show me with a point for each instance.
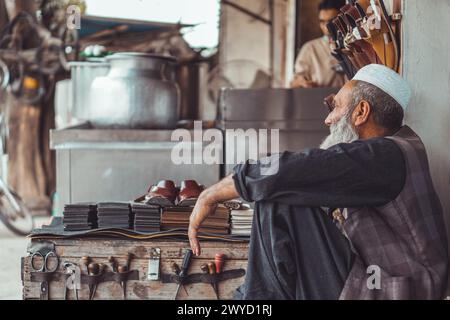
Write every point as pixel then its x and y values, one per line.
pixel 21 221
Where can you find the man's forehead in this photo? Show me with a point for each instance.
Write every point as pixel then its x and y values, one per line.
pixel 345 91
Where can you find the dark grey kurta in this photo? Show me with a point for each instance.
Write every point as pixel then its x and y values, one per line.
pixel 393 221
pixel 296 251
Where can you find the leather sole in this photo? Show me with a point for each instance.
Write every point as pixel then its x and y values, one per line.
pixel 189 202
pixel 160 201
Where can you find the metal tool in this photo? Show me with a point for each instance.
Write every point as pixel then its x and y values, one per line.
pixel 85 261
pixel 130 257
pixel 113 263
pixel 154 264
pixel 93 270
pixel 175 268
pixel 205 269
pixel 212 271
pixel 45 267
pixel 101 269
pixel 123 284
pixel 73 282
pixel 122 269
pixel 184 270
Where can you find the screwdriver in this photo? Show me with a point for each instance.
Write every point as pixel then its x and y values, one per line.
pixel 212 271
pixel 184 270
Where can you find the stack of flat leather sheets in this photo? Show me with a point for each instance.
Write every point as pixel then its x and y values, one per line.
pixel 241 222
pixel 114 215
pixel 147 218
pixel 178 218
pixel 80 216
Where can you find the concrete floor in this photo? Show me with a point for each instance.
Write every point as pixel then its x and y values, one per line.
pixel 12 248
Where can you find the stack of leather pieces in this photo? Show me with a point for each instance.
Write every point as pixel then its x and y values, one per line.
pixel 241 222
pixel 147 218
pixel 80 216
pixel 114 215
pixel 178 218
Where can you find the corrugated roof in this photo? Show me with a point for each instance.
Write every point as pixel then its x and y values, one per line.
pixel 94 24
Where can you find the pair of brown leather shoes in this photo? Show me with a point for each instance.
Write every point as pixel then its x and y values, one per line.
pixel 165 193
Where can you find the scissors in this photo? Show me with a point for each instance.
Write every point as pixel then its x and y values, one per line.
pixel 44 268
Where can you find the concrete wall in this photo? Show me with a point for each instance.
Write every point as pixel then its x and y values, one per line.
pixel 243 37
pixel 426 66
pixel 245 42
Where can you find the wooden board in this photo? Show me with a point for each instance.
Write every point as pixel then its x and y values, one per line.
pixel 171 251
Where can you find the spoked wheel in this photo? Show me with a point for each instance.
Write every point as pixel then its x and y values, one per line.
pixel 15 214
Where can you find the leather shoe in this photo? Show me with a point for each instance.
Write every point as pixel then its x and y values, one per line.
pixel 163 194
pixel 189 192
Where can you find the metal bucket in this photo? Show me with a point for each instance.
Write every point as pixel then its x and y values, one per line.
pixel 139 92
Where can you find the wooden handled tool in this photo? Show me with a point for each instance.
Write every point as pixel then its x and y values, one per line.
pixel 212 271
pixel 101 269
pixel 219 261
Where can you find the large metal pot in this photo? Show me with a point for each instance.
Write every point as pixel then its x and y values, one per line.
pixel 139 92
pixel 83 74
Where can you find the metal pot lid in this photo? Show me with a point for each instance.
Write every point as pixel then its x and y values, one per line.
pixel 122 55
pixel 93 64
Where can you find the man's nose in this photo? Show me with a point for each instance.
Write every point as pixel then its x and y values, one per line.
pixel 328 121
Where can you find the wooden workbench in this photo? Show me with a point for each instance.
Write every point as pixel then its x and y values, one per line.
pixel 72 250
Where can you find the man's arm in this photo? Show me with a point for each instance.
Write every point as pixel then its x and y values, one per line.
pixel 206 204
pixel 363 173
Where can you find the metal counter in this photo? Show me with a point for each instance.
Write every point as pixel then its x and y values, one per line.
pixel 299 115
pixel 118 165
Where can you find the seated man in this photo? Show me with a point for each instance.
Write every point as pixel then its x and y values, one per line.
pixel 382 235
pixel 314 65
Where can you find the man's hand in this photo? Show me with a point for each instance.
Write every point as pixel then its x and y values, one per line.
pixel 206 205
pixel 201 211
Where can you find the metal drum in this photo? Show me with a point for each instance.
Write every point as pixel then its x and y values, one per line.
pixel 139 92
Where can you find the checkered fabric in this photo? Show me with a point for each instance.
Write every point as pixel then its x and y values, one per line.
pixel 405 240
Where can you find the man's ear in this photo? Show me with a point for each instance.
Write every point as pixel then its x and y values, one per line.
pixel 362 113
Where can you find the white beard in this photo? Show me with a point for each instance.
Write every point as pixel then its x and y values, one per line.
pixel 341 132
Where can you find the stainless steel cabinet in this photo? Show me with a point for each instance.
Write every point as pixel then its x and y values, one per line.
pixel 118 165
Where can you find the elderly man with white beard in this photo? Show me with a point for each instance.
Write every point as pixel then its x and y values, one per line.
pixel 357 218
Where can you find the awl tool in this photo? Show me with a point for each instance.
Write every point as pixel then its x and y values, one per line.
pixel 123 284
pixel 212 271
pixel 101 270
pixel 93 270
pixel 205 269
